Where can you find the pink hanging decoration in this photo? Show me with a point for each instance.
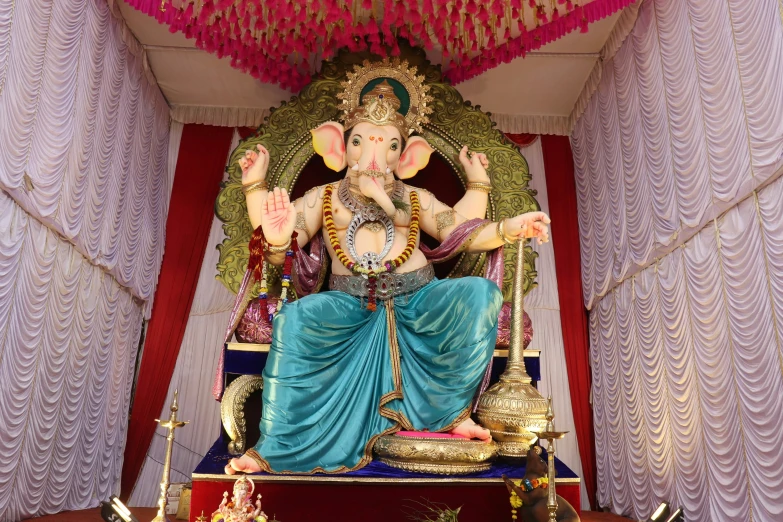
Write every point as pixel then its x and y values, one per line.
pixel 279 41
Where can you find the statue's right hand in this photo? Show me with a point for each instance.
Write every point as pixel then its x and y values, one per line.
pixel 278 217
pixel 254 165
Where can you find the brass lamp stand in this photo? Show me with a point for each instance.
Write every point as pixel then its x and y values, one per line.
pixel 551 435
pixel 171 424
pixel 512 409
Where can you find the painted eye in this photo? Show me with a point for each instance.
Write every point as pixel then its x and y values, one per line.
pixel 355 142
pixel 394 146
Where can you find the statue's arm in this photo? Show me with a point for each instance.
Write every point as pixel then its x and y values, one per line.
pixel 439 220
pixel 435 218
pixel 474 203
pixel 309 214
pixel 523 226
pixel 255 202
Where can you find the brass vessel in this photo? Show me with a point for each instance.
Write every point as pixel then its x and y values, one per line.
pixel 512 409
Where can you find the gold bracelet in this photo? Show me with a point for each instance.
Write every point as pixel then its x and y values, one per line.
pixel 256 185
pixel 502 233
pixel 278 249
pixel 480 186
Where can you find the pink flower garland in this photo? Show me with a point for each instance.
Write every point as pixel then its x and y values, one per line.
pixel 283 41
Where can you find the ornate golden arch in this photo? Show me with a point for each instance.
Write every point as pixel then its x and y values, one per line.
pixel 453 123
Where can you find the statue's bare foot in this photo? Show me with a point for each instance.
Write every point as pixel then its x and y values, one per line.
pixel 471 430
pixel 243 464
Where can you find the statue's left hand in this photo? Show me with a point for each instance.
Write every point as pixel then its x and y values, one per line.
pixel 475 166
pixel 529 225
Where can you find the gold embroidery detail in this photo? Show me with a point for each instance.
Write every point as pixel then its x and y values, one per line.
pixel 301 224
pixel 444 219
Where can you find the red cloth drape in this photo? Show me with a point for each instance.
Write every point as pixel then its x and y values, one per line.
pixel 561 186
pixel 200 166
pixel 522 140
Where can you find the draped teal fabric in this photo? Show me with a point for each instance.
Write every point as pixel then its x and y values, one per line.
pixel 334 381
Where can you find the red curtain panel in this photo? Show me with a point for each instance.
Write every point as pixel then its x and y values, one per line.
pixel 200 166
pixel 561 186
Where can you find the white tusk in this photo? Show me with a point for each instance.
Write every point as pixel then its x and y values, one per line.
pixel 355 167
pixel 388 170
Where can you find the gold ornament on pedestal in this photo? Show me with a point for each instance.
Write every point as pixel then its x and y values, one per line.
pixel 512 409
pixel 171 424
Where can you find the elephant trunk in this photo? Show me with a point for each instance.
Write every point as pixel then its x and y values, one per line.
pixel 372 160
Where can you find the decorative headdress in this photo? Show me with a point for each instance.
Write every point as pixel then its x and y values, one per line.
pixel 381 105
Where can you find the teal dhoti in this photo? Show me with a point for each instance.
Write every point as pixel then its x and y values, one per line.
pixel 339 376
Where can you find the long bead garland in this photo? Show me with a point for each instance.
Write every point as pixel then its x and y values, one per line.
pixel 388 266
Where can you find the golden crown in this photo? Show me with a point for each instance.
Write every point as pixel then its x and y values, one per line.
pixel 380 105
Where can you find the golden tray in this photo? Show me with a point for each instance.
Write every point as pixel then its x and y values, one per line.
pixel 442 456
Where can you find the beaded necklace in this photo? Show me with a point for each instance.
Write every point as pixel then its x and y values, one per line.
pixel 388 266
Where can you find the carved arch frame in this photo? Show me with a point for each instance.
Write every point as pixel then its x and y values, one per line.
pixel 453 123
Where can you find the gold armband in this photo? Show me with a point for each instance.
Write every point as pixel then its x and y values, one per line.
pixel 444 219
pixel 301 224
pixel 502 233
pixel 278 249
pixel 257 185
pixel 480 186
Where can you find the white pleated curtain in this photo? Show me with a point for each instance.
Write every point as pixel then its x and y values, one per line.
pixel 193 376
pixel 543 306
pixel 84 191
pixel 678 161
pixel 80 119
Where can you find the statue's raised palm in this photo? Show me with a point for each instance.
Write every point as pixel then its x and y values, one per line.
pixel 278 217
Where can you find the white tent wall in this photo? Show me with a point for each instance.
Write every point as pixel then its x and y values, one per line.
pixel 193 376
pixel 84 191
pixel 678 157
pixel 543 306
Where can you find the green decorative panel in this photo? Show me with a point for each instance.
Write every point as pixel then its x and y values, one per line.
pixel 453 123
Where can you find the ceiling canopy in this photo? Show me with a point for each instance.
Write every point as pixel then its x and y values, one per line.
pixel 283 41
pixel 536 93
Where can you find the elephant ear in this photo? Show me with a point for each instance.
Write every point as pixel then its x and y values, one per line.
pixel 414 158
pixel 328 142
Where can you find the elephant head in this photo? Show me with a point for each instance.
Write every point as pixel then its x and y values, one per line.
pixel 375 141
pixel 369 147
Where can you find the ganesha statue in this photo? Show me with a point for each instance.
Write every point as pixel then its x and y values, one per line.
pixel 241 507
pixel 389 347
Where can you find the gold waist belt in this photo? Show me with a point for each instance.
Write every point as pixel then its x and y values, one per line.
pixel 389 284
